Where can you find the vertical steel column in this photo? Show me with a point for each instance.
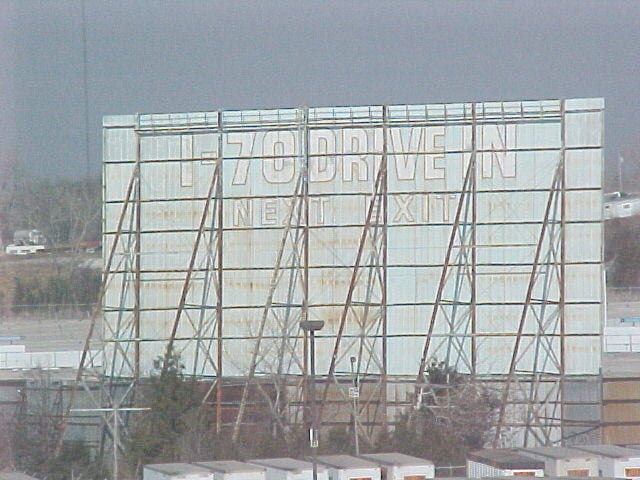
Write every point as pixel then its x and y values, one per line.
pixel 305 258
pixel 385 243
pixel 563 262
pixel 137 273
pixel 474 254
pixel 314 436
pixel 220 275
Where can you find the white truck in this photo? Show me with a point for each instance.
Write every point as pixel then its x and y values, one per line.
pixel 26 242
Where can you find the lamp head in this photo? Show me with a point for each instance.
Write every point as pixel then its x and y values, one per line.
pixel 311 325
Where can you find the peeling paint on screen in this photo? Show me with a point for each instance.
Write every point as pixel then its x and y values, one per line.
pixel 488 219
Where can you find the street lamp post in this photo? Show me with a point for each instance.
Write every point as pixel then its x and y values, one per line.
pixel 354 393
pixel 312 326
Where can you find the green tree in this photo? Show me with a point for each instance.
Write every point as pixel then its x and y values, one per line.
pixel 175 410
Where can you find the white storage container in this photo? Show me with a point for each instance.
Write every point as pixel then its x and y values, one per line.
pixel 289 469
pixel 233 470
pixel 175 471
pixel 398 466
pixel 564 462
pixel 502 463
pixel 615 461
pixel 345 467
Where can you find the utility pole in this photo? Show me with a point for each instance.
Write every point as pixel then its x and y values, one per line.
pixel 354 393
pixel 620 162
pixel 311 327
pixel 116 429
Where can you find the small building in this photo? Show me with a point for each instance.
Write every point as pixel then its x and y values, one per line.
pixel 615 461
pixel 564 462
pixel 620 205
pixel 346 467
pixel 398 466
pixel 504 462
pixel 175 471
pixel 289 469
pixel 233 470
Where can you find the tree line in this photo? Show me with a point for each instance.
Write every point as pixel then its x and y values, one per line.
pixel 67 211
pixel 455 417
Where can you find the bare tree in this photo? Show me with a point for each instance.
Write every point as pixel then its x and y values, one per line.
pixel 7 193
pixel 68 212
pixel 455 417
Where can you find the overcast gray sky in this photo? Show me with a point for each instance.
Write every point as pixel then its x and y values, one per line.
pixel 147 56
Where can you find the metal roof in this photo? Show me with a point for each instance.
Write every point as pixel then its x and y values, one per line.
pixel 396 459
pixel 556 452
pixel 345 461
pixel 285 463
pixel 230 466
pixel 176 468
pixel 505 459
pixel 611 451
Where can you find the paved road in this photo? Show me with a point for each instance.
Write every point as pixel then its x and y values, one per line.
pixel 46 335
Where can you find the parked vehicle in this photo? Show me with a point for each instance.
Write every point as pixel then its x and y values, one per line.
pixel 27 242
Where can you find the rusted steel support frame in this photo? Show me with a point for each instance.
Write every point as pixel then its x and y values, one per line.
pixel 462 262
pixel 116 330
pixel 205 341
pixel 300 192
pixel 542 341
pixel 535 407
pixel 368 335
pixel 265 314
pixel 131 323
pixel 365 335
pixel 474 247
pixel 377 271
pixel 527 304
pixel 468 240
pixel 136 268
pixel 94 317
pixel 443 277
pixel 305 267
pixel 380 180
pixel 348 303
pixel 563 261
pixel 533 412
pixel 213 264
pixel 297 259
pixel 385 261
pixel 192 261
pixel 285 323
pixel 117 406
pixel 220 278
pixel 218 227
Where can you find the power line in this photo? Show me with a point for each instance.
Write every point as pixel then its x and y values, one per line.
pixel 85 87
